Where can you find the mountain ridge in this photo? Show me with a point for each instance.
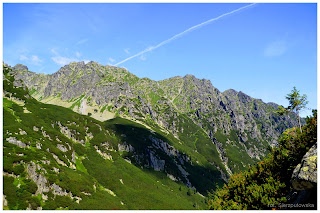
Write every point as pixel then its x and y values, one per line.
pixel 105 92
pixel 22 67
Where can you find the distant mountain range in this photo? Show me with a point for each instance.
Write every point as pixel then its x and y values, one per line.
pixel 166 139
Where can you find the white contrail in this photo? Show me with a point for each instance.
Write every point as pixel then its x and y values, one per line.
pixel 182 33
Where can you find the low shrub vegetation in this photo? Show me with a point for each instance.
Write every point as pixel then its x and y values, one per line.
pixel 267 182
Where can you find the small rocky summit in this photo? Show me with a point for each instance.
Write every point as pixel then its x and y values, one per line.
pixel 20 67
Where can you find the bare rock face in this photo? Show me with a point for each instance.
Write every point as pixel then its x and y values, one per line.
pixel 62 147
pixel 20 67
pixel 156 163
pixel 304 176
pixel 125 147
pixel 39 179
pixel 165 147
pixel 14 140
pixel 5 202
pixel 73 157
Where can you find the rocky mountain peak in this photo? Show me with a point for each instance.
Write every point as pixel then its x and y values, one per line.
pixel 231 92
pixel 188 76
pixel 244 98
pixel 20 67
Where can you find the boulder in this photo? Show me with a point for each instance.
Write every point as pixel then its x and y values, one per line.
pixel 304 176
pixel 304 183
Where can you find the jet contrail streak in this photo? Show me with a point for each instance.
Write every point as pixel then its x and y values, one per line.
pixel 182 33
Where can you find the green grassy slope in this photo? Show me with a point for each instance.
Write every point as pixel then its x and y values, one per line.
pixel 76 176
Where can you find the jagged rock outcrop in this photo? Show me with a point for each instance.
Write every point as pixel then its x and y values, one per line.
pixel 39 179
pixel 156 163
pixel 159 144
pixel 14 140
pixel 106 156
pixel 62 147
pixel 125 147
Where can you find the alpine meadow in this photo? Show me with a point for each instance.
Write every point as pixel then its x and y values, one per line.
pixel 128 106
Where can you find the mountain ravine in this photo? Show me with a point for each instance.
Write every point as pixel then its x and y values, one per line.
pixel 181 127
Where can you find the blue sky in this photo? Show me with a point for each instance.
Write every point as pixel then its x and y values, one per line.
pixel 263 50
